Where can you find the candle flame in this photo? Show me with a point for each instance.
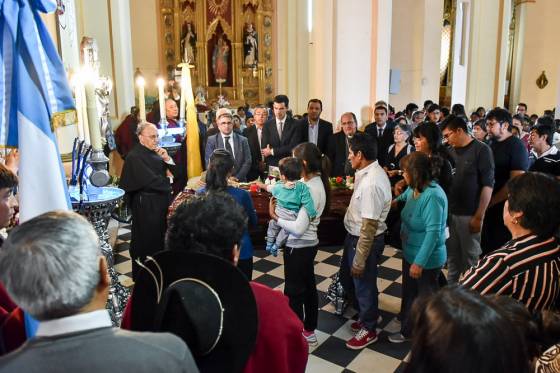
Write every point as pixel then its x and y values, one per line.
pixel 140 81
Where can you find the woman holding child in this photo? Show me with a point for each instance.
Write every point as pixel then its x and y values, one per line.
pixel 301 245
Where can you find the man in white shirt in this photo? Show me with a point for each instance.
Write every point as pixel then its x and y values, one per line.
pixel 52 267
pixel 365 223
pixel 235 144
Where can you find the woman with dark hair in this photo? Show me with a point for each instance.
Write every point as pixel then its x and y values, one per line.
pixel 301 247
pixel 459 111
pixel 397 151
pixel 527 267
pixel 220 168
pixel 428 140
pixel 423 222
pixel 459 331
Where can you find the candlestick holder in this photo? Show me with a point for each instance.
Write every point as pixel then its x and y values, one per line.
pixel 99 176
pixel 220 82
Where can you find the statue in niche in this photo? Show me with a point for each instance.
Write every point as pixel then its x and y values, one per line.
pixel 250 45
pixel 188 44
pixel 220 57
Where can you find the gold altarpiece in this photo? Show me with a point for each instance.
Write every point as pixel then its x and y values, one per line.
pixel 227 41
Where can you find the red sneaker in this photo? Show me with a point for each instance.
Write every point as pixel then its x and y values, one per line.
pixel 362 339
pixel 356 326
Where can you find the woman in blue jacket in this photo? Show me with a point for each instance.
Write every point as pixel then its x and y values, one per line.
pixel 423 235
pixel 220 168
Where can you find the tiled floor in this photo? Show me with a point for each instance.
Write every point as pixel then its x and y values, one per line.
pixel 331 355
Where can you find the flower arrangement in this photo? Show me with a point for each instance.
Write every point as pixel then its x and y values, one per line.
pixel 340 182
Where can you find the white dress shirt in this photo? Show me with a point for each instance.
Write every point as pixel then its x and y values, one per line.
pixel 76 323
pixel 314 132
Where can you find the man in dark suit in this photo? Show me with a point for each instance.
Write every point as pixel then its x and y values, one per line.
pixel 254 135
pixel 281 134
pixel 382 131
pixel 234 143
pixel 313 128
pixel 338 146
pixel 52 268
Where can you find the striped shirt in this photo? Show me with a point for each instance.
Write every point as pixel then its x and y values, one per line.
pixel 526 269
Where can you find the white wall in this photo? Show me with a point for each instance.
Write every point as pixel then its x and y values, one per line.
pixel 415 49
pixel 322 51
pixel 461 48
pixel 122 57
pixel 541 52
pixel 353 57
pixel 292 56
pixel 145 41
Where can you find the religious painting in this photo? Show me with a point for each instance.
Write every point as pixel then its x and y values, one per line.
pixel 188 43
pixel 250 46
pixel 219 55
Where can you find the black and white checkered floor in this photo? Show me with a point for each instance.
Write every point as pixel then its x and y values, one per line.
pixel 331 355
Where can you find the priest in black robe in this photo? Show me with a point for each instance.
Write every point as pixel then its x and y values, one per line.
pixel 148 193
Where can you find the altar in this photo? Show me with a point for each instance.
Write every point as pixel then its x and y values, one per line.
pixel 331 229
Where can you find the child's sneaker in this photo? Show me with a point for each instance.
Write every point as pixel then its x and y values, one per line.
pixel 274 250
pixel 269 247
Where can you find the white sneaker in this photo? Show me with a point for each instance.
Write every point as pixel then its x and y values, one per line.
pixel 397 338
pixel 310 337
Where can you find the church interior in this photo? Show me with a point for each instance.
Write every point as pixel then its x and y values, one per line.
pixel 353 57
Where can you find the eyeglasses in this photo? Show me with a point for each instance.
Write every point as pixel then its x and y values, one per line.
pixel 153 137
pixel 447 135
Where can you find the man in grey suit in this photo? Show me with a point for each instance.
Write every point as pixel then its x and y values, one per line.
pixel 53 269
pixel 235 144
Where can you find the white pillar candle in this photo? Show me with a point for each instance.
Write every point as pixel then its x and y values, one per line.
pixel 92 114
pixel 76 84
pixel 140 82
pixel 85 120
pixel 184 71
pixel 160 84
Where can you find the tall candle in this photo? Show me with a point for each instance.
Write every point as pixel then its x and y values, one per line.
pixel 184 71
pixel 140 82
pixel 85 120
pixel 160 84
pixel 79 106
pixel 92 114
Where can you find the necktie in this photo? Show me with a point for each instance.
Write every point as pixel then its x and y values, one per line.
pixel 380 132
pixel 228 145
pixel 280 128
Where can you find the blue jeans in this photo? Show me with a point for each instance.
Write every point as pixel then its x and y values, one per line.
pixel 366 286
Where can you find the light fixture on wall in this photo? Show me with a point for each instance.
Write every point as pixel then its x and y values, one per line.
pixel 542 80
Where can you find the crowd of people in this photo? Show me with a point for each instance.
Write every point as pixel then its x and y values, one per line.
pixel 472 203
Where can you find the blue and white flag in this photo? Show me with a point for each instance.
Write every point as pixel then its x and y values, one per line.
pixel 33 86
